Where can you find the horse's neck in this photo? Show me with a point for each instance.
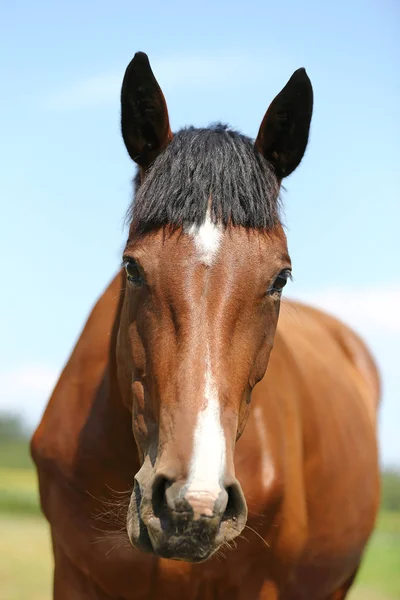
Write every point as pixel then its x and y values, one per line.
pixel 106 452
pixel 86 431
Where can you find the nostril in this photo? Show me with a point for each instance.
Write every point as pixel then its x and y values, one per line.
pixel 230 510
pixel 159 501
pixel 236 509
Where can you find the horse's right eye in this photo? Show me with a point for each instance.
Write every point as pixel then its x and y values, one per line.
pixel 132 272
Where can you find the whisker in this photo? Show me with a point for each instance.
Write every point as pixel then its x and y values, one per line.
pixel 242 537
pixel 119 492
pixel 254 514
pixel 258 535
pixel 110 550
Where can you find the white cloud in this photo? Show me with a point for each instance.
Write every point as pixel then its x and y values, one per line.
pixel 372 308
pixel 25 390
pixel 191 71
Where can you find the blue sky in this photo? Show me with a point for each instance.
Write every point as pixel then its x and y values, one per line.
pixel 65 177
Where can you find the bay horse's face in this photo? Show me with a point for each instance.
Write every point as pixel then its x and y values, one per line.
pixel 200 310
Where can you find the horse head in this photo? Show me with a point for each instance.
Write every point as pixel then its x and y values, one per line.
pixel 205 263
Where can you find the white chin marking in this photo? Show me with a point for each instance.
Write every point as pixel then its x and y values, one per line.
pixel 207 238
pixel 207 464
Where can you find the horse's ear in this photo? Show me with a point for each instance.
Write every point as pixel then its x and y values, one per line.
pixel 283 135
pixel 144 115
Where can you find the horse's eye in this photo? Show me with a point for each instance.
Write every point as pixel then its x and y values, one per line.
pixel 132 272
pixel 280 282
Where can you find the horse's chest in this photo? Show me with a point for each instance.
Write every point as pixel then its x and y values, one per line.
pixel 114 571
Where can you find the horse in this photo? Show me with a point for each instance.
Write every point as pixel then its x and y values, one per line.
pixel 171 462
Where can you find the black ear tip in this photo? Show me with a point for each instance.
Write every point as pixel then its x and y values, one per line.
pixel 301 76
pixel 141 57
pixel 138 68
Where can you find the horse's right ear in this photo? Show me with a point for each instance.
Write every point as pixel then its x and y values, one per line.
pixel 144 115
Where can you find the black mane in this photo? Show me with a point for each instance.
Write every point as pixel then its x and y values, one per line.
pixel 200 164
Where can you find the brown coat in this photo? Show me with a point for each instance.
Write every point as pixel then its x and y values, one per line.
pixel 307 463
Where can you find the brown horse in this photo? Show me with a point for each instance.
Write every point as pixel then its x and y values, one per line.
pixel 157 438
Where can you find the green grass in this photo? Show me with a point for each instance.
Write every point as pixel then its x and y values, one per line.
pixel 18 492
pixel 26 562
pixel 380 570
pixel 18 482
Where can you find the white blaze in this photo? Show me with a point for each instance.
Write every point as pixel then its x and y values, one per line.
pixel 207 238
pixel 207 464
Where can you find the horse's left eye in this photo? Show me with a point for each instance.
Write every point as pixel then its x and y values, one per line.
pixel 280 282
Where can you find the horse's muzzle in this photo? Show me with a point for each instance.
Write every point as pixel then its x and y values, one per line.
pixel 168 518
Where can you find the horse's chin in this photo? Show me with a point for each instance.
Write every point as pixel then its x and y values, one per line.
pixel 189 547
pixel 192 545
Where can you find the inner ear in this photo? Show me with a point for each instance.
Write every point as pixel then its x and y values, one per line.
pixel 283 135
pixel 144 114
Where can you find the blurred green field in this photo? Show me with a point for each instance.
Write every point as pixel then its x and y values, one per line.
pixel 26 565
pixel 25 568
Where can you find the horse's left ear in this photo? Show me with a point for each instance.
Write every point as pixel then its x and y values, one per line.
pixel 283 135
pixel 144 114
